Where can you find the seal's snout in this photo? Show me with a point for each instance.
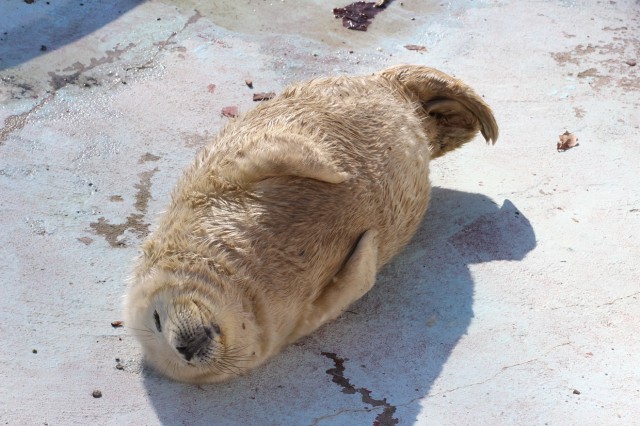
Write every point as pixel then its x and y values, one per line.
pixel 196 343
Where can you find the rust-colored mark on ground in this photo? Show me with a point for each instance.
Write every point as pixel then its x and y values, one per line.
pixel 148 157
pixel 116 198
pixel 211 88
pixel 19 121
pixel 579 112
pixel 230 111
pixel 415 47
pixel 85 240
pixel 383 419
pixel 135 221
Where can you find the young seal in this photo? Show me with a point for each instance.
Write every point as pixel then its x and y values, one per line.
pixel 285 218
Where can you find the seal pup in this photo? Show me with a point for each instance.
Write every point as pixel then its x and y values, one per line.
pixel 284 219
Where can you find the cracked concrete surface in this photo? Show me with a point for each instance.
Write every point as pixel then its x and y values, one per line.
pixel 516 303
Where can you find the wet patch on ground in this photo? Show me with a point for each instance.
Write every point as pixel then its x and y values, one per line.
pixel 135 223
pixel 58 81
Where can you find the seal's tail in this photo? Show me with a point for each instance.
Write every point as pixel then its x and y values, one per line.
pixel 451 111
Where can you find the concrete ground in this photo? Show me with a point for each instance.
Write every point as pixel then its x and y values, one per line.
pixel 516 303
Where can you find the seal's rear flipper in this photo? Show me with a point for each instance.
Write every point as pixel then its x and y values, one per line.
pixel 352 282
pixel 282 155
pixel 451 111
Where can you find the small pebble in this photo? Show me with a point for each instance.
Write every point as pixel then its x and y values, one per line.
pixel 43 48
pixel 119 366
pixel 97 394
pixel 631 62
pixel 576 392
pixel 35 351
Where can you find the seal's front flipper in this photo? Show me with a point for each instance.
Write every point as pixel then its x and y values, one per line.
pixel 282 155
pixel 352 282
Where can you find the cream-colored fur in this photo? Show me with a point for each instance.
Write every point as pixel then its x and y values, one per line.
pixel 284 219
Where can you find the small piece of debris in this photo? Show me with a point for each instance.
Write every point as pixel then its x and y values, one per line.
pixel 576 392
pixel 29 1
pixel 116 198
pixel 359 15
pixel 263 96
pixel 631 62
pixel 116 324
pixel 567 141
pixel 119 366
pixel 96 394
pixel 85 240
pixel 415 47
pixel 34 351
pixel 43 48
pixel 211 88
pixel 249 83
pixel 230 111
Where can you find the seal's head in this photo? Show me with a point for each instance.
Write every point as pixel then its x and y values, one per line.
pixel 186 330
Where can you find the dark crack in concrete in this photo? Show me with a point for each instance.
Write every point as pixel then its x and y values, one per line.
pixel 383 419
pixel 162 45
pixel 135 221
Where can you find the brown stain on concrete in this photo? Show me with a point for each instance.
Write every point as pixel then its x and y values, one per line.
pixel 604 64
pixel 196 140
pixel 148 157
pixel 135 221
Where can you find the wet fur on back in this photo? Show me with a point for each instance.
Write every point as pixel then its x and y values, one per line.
pixel 285 217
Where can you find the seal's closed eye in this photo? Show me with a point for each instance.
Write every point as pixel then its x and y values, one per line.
pixel 156 317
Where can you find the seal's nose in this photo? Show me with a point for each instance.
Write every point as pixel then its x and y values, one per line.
pixel 186 351
pixel 197 342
